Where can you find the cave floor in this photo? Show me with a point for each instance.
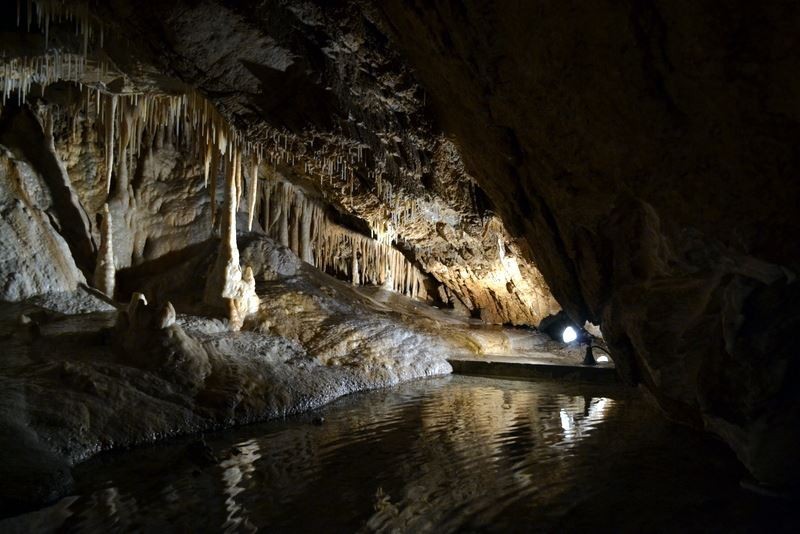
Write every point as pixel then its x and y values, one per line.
pixel 444 454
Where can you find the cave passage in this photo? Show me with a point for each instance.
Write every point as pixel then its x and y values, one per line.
pixel 394 265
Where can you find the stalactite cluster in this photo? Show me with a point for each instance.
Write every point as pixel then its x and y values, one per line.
pixel 45 12
pixel 20 73
pixel 334 163
pixel 132 122
pixel 300 223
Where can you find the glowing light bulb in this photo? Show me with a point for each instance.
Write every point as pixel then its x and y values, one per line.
pixel 569 335
pixel 603 359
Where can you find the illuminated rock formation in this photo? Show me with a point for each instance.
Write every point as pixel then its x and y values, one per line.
pixel 625 160
pixel 105 272
pixel 226 283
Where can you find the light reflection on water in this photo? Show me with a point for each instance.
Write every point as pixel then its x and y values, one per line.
pixel 238 469
pixel 457 453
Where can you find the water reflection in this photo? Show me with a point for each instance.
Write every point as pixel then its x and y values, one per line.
pixel 449 454
pixel 236 476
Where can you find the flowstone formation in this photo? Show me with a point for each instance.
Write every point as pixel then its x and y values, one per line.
pixel 300 223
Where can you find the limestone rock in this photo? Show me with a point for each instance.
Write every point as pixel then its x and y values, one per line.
pixel 148 337
pixel 34 257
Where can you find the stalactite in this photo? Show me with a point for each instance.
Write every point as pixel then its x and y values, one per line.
pixel 194 120
pixel 283 223
pixel 355 271
pixel 111 121
pixel 294 228
pixel 207 162
pixel 129 121
pixel 212 191
pixel 228 247
pixel 306 246
pixel 265 208
pixel 47 11
pixel 237 173
pixel 19 74
pixel 252 194
pixel 300 224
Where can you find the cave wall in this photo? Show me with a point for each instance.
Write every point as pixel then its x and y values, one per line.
pixel 646 152
pixel 158 201
pixel 34 258
pixel 54 192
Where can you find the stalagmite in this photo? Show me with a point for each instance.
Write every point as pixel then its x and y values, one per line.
pixel 132 312
pixel 226 287
pixel 110 123
pixel 104 273
pixel 166 316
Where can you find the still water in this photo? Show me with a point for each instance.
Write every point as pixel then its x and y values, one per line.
pixel 449 454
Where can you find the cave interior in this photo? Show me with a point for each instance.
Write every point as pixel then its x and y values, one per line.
pixel 220 214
